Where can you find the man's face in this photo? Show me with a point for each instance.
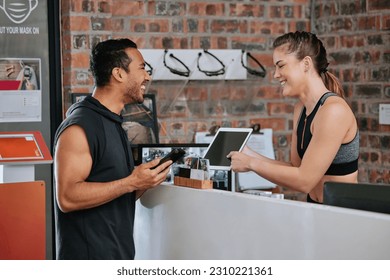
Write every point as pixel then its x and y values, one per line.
pixel 136 79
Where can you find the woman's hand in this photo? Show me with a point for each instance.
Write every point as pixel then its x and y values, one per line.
pixel 240 162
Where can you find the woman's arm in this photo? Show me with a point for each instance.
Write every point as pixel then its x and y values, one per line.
pixel 326 140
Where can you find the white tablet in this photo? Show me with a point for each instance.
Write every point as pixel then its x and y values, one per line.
pixel 226 139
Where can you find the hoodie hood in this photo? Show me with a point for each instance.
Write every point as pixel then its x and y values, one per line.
pixel 93 104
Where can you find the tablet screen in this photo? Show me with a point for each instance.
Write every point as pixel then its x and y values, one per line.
pixel 225 141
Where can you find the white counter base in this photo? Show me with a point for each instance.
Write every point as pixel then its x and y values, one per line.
pixel 182 223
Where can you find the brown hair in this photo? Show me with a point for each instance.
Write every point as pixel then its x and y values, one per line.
pixel 307 44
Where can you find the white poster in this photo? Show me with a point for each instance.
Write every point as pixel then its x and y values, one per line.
pixel 262 144
pixel 20 90
pixel 24 60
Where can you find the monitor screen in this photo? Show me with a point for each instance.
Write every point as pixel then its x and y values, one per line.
pixel 148 152
pixel 225 141
pixel 369 197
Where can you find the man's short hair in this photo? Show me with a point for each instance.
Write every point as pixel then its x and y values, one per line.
pixel 107 55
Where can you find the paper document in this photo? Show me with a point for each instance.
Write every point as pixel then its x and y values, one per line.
pixel 262 144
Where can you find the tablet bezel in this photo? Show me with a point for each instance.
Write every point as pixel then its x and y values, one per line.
pixel 239 148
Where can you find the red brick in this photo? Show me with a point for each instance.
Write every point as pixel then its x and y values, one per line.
pixel 80 60
pixel 65 24
pixel 65 8
pixel 280 109
pixel 101 24
pixel 140 41
pixel 369 23
pixel 275 11
pixel 161 42
pixel 379 176
pixel 229 26
pixel 118 24
pixel 352 75
pixel 66 77
pixel 299 13
pixel 155 26
pixel 250 40
pixel 374 5
pixel 81 89
pixel 265 59
pixel 328 9
pixel 162 129
pixel 268 92
pixel 216 42
pixel 66 40
pixel 66 59
pixel 341 24
pixel 246 10
pixel 277 124
pixel 104 6
pixel 385 22
pixel 128 8
pixel 73 5
pixel 80 23
pixel 202 25
pixel 267 27
pixel 350 41
pixel 297 25
pixel 203 9
pixel 384 128
pixel 386 158
pixel 158 25
pixel 195 94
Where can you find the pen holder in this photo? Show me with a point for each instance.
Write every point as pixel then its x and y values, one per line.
pixel 193 183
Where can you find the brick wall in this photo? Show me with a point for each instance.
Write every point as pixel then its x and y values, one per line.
pixel 355 33
pixel 358 40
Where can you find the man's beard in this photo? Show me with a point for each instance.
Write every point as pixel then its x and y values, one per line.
pixel 135 95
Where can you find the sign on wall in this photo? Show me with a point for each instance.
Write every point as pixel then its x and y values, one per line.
pixel 23 52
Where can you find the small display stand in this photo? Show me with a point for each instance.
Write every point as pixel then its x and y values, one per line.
pixel 19 153
pixel 193 183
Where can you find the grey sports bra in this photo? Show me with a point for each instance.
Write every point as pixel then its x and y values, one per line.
pixel 346 159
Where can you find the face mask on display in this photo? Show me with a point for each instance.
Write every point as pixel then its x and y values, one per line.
pixel 18 10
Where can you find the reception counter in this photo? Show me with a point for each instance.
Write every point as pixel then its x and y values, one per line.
pixel 182 223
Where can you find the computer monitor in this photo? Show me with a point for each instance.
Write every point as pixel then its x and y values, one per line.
pixel 226 140
pixel 147 152
pixel 361 196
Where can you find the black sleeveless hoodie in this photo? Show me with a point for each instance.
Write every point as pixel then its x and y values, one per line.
pixel 106 231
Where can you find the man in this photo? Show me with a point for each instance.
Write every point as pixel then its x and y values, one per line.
pixel 96 182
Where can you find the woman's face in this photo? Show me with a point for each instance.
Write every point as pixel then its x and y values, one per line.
pixel 289 71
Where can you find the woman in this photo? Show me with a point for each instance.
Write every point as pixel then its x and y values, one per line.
pixel 325 140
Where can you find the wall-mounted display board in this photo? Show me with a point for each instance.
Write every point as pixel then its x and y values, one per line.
pixel 30 78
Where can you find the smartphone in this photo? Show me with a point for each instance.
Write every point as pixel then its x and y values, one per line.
pixel 27 73
pixel 173 155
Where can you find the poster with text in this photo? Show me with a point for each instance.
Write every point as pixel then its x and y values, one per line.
pixel 24 61
pixel 20 89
